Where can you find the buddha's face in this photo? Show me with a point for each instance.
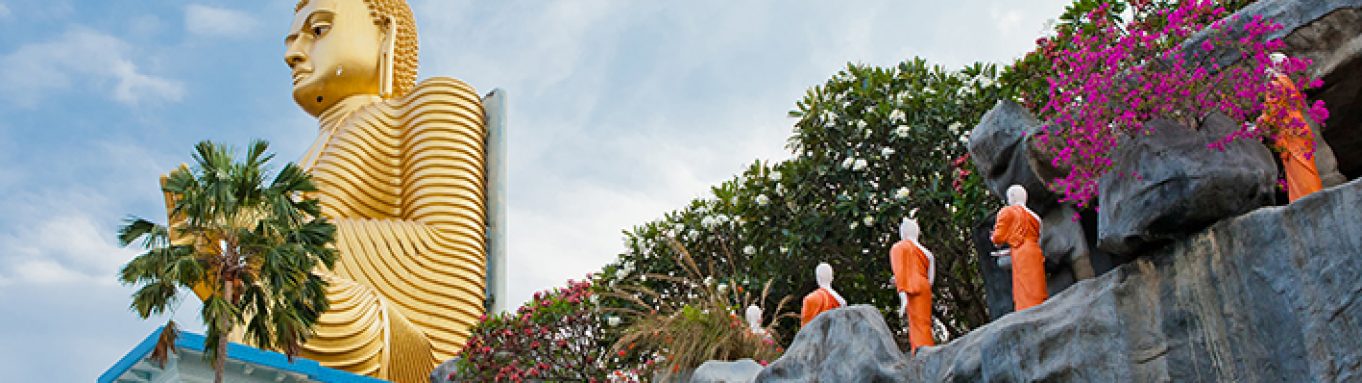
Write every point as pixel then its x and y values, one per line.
pixel 334 49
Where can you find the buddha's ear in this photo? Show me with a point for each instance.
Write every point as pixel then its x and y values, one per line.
pixel 388 57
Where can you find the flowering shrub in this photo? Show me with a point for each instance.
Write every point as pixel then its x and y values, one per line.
pixel 557 336
pixel 1112 80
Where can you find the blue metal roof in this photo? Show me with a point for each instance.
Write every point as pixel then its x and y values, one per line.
pixel 239 352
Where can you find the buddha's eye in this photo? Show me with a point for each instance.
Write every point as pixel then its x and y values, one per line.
pixel 319 29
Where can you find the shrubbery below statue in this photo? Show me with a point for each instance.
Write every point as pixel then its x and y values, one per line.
pixel 1019 228
pixel 914 273
pixel 823 299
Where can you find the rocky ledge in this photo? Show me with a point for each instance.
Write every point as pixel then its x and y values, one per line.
pixel 1271 295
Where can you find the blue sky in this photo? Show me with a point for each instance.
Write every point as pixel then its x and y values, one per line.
pixel 619 111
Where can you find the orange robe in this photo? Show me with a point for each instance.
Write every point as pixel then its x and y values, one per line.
pixel 816 303
pixel 910 265
pixel 1294 145
pixel 1020 230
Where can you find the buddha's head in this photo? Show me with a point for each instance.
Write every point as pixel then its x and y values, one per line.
pixel 343 48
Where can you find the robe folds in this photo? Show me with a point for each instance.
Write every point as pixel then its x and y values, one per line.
pixel 1019 228
pixel 816 303
pixel 911 270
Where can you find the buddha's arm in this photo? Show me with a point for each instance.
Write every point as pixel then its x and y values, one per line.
pixel 429 259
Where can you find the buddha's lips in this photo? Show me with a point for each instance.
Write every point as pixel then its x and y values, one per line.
pixel 299 75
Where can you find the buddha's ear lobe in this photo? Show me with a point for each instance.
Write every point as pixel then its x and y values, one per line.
pixel 387 58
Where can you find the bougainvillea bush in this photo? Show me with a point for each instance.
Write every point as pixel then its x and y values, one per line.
pixel 557 336
pixel 1111 81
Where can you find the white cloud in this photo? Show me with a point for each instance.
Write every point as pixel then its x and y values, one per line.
pixel 64 248
pixel 83 59
pixel 4 11
pixel 212 21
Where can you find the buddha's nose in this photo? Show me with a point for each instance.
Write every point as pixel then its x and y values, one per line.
pixel 294 55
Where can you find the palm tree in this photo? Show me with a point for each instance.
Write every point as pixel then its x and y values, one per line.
pixel 250 246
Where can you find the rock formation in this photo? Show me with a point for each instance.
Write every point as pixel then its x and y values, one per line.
pixel 1272 295
pixel 849 344
pixel 721 371
pixel 1169 183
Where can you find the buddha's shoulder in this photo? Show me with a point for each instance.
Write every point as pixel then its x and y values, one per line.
pixel 443 87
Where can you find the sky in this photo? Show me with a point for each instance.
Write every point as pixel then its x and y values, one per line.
pixel 618 112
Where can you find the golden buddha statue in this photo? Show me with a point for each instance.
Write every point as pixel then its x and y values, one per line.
pixel 400 169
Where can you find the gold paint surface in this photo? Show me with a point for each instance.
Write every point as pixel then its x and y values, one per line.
pixel 403 181
pixel 401 170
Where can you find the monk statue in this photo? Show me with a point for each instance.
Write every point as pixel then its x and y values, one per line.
pixel 823 299
pixel 753 316
pixel 1019 228
pixel 1283 114
pixel 914 273
pixel 400 168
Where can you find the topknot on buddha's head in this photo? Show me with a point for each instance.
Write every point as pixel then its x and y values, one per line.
pixel 406 53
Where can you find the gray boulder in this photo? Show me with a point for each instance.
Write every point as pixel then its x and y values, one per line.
pixel 999 148
pixel 1169 184
pixel 722 371
pixel 851 344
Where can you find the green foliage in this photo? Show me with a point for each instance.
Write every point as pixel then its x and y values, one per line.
pixel 251 240
pixel 871 145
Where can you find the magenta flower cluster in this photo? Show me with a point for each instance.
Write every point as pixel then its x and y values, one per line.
pixel 1110 82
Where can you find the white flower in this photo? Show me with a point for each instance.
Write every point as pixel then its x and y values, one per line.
pixel 985 82
pixel 709 281
pixel 780 189
pixel 902 131
pixel 860 124
pixel 723 287
pixel 886 152
pixel 896 116
pixel 762 200
pixel 693 235
pixel 723 218
pixel 854 225
pixel 868 221
pixel 775 176
pixel 749 250
pixel 859 165
pixel 679 228
pixel 848 162
pixel 902 193
pixel 955 126
pixel 612 321
pixel 784 250
pixel 708 222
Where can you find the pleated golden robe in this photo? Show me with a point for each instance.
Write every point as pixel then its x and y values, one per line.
pixel 404 182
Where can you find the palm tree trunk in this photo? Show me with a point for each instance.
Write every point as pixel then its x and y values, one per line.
pixel 222 338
